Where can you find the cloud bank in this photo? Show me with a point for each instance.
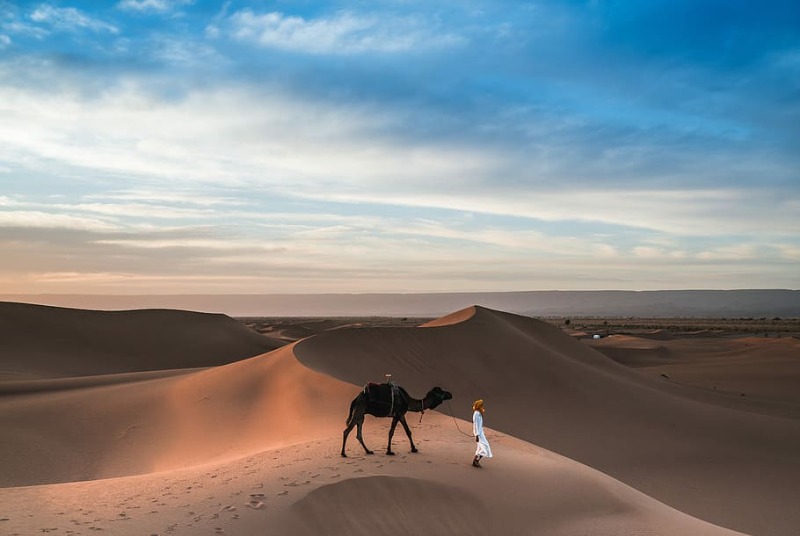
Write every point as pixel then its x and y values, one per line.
pixel 156 145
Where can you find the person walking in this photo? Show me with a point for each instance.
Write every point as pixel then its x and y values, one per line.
pixel 482 450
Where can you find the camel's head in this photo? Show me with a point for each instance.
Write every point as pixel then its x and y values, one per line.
pixel 437 396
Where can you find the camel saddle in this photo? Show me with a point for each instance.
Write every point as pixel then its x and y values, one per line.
pixel 382 393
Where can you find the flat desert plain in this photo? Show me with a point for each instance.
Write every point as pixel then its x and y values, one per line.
pixel 157 422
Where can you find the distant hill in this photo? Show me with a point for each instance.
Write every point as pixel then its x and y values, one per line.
pixel 666 303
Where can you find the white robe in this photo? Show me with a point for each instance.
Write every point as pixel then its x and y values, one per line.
pixel 482 445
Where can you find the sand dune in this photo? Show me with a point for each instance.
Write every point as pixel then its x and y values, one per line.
pixel 764 370
pixel 252 446
pixel 735 468
pixel 300 488
pixel 166 423
pixel 51 342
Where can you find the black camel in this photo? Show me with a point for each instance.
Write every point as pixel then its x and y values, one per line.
pixel 388 400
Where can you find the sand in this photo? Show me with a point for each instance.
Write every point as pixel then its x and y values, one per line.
pixel 582 443
pixel 52 342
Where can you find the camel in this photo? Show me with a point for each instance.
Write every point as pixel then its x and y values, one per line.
pixel 388 400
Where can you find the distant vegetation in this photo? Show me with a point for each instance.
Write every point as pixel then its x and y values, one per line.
pixel 759 326
pixel 290 329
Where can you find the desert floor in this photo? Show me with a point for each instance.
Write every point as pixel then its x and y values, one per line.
pixel 172 422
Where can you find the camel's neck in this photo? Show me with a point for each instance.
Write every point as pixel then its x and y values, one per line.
pixel 419 405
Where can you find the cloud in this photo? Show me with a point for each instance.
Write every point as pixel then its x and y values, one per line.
pixel 69 19
pixel 175 197
pixel 4 41
pixel 152 6
pixel 732 253
pixel 451 155
pixel 342 33
pixel 47 220
pixel 238 137
pixel 18 27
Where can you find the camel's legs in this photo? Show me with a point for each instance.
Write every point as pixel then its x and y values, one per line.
pixel 344 436
pixel 391 433
pixel 408 432
pixel 356 420
pixel 360 438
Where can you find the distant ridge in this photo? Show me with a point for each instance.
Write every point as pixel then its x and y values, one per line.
pixel 665 303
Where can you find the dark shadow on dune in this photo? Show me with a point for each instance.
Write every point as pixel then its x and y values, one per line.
pixel 388 506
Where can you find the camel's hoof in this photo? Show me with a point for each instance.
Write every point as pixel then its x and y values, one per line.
pixel 344 455
pixel 370 452
pixel 389 453
pixel 414 451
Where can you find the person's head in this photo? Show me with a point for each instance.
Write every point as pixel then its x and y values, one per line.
pixel 478 405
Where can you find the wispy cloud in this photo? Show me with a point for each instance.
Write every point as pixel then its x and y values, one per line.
pixel 153 6
pixel 48 220
pixel 295 147
pixel 340 33
pixel 69 19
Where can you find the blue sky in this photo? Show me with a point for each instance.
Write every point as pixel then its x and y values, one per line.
pixel 178 146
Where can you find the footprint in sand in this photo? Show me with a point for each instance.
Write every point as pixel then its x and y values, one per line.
pixel 255 504
pixel 283 493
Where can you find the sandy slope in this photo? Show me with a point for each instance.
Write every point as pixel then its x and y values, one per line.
pixel 252 447
pixel 734 468
pixel 307 488
pixel 164 423
pixel 51 342
pixel 766 370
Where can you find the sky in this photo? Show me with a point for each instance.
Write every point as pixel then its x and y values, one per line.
pixel 180 146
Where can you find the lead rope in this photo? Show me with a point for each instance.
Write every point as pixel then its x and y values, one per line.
pixel 456 421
